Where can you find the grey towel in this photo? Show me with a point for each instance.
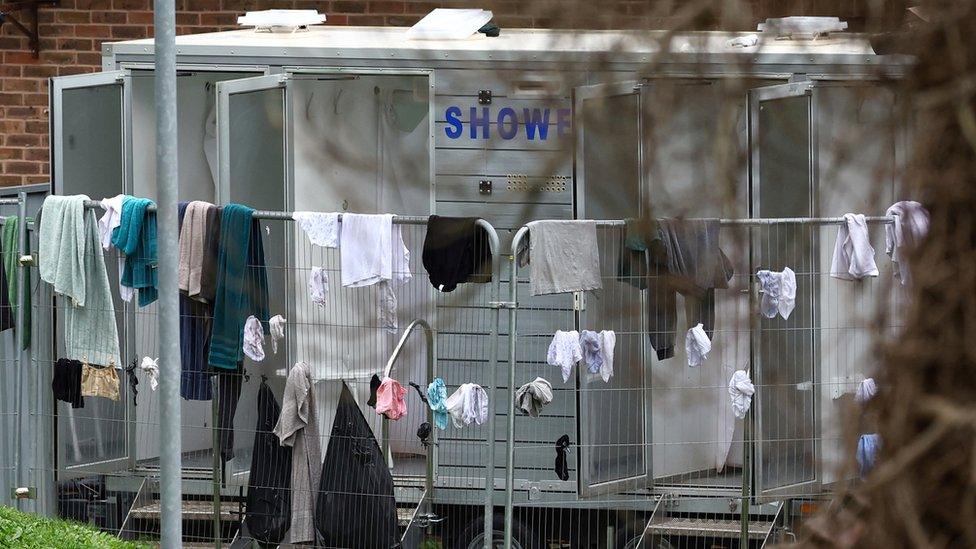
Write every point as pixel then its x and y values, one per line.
pixel 564 257
pixel 192 241
pixel 71 259
pixel 298 427
pixel 531 397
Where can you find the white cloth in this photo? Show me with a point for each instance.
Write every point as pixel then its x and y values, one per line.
pixel 565 351
pixel 110 221
pixel 366 249
pixel 910 227
pixel 468 404
pixel 741 390
pixel 373 252
pixel 778 292
pixel 697 345
pixel 853 254
pixel 318 286
pixel 609 342
pixel 865 390
pixel 253 339
pixel 322 229
pixel 277 323
pixel 150 367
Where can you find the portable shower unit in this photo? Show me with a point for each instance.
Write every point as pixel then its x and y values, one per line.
pixel 531 125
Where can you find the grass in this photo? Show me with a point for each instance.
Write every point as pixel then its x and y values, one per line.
pixel 24 530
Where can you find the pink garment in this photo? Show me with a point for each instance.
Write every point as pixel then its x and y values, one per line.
pixel 389 399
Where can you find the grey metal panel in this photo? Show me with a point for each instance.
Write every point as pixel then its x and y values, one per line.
pixel 475 320
pixel 497 162
pixel 505 190
pixel 511 217
pixel 535 459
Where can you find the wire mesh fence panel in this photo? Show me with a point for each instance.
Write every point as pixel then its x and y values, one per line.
pixel 649 444
pixel 285 437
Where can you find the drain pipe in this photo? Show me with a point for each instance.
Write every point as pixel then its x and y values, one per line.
pixel 164 23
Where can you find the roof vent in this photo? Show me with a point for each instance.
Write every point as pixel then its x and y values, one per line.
pixel 802 27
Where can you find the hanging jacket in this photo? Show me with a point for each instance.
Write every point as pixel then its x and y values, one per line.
pixel 355 506
pixel 269 487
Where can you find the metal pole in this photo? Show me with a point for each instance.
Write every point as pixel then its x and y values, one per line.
pixel 496 278
pixel 22 414
pixel 167 175
pixel 510 438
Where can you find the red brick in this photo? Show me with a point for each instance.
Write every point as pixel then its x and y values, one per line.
pixel 11 43
pixel 46 178
pixel 90 59
pixel 74 69
pixel 385 7
pixel 17 167
pixel 110 17
pixel 22 140
pixel 56 30
pixel 11 180
pixel 73 17
pixel 21 112
pixel 349 6
pixel 127 5
pixel 35 99
pixel 57 57
pixel 202 5
pixel 11 99
pixel 40 155
pixel 36 127
pixel 218 19
pixel 128 31
pixel 18 84
pixel 93 4
pixel 10 153
pixel 94 31
pixel 40 71
pixel 141 17
pixel 75 44
pixel 10 127
pixel 184 18
pixel 18 58
pixel 10 70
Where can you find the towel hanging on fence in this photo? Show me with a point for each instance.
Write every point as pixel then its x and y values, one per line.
pixel 778 292
pixel 318 286
pixel 107 224
pixel 533 396
pixel 906 233
pixel 150 367
pixel 741 390
pixel 468 404
pixel 253 339
pixel 437 400
pixel 193 235
pixel 373 252
pixel 7 298
pixel 136 238
pixel 389 399
pixel 609 342
pixel 196 323
pixel 322 229
pixel 242 284
pixel 456 251
pixel 277 323
pixel 298 427
pixel 11 263
pixel 563 255
pixel 867 452
pixel 865 391
pixel 70 258
pixel 591 343
pixel 697 346
pixel 565 351
pixel 853 254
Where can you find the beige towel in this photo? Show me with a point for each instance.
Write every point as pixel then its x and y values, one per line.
pixel 191 246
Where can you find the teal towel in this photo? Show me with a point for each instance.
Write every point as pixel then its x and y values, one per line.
pixel 242 285
pixel 11 233
pixel 437 400
pixel 136 238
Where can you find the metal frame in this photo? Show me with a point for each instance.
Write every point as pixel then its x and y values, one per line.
pixel 758 96
pixel 582 94
pixel 58 85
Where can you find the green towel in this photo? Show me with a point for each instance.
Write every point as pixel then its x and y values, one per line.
pixel 11 253
pixel 70 258
pixel 136 238
pixel 242 285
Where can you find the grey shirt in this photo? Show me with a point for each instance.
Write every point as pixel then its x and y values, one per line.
pixel 564 257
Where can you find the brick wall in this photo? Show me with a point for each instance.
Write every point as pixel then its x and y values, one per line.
pixel 72 34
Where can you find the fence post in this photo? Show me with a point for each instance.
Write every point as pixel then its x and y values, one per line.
pixel 164 21
pixel 19 333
